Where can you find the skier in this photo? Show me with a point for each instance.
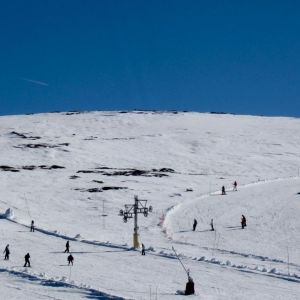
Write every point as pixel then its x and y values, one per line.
pixel 212 225
pixel 67 247
pixel 195 224
pixel 27 262
pixel 32 226
pixel 70 259
pixel 143 249
pixel 235 186
pixel 223 190
pixel 7 252
pixel 243 222
pixel 189 288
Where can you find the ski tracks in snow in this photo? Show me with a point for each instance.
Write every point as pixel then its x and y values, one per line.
pixel 272 271
pixel 42 279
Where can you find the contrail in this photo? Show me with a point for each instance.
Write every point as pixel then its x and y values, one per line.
pixel 36 81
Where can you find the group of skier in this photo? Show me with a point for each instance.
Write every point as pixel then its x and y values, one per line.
pixel 190 284
pixel 70 258
pixel 223 192
pixel 7 253
pixel 211 225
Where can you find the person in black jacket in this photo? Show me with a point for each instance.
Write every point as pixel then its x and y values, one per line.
pixel 235 186
pixel 195 224
pixel 212 225
pixel 223 190
pixel 70 259
pixel 67 247
pixel 7 252
pixel 189 288
pixel 32 226
pixel 243 222
pixel 27 262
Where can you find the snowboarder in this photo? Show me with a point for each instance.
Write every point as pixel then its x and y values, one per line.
pixel 195 224
pixel 32 226
pixel 212 225
pixel 7 252
pixel 27 262
pixel 67 247
pixel 70 259
pixel 143 249
pixel 243 222
pixel 223 190
pixel 235 186
pixel 189 288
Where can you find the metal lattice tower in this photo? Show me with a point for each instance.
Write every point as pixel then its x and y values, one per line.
pixel 132 211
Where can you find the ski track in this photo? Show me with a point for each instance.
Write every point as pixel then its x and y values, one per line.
pixel 42 280
pixel 272 272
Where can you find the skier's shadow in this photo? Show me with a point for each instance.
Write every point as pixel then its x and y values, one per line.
pixel 181 231
pixel 75 252
pixel 86 252
pixel 230 228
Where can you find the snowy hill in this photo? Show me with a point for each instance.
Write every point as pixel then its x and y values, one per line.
pixel 72 172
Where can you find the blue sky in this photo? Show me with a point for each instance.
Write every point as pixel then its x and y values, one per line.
pixel 228 56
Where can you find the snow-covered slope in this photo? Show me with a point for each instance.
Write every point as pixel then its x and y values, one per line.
pixel 72 173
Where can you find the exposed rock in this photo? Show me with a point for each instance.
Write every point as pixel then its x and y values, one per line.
pixel 9 169
pixel 30 168
pixel 43 145
pixel 106 188
pixel 23 136
pixel 100 190
pixel 129 172
pixel 167 170
pixel 88 171
pixel 93 190
pixel 98 181
pixel 51 167
pixel 69 113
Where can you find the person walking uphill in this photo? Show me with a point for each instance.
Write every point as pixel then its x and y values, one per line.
pixel 195 224
pixel 27 262
pixel 67 247
pixel 7 252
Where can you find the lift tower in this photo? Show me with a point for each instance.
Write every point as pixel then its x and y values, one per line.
pixel 132 211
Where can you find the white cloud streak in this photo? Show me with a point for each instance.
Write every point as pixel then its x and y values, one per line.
pixel 42 83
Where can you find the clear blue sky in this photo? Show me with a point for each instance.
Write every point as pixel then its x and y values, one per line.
pixel 230 56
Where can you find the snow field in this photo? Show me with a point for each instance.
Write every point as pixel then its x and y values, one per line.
pixel 205 151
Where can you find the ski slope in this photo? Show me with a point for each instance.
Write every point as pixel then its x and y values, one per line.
pixel 72 172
